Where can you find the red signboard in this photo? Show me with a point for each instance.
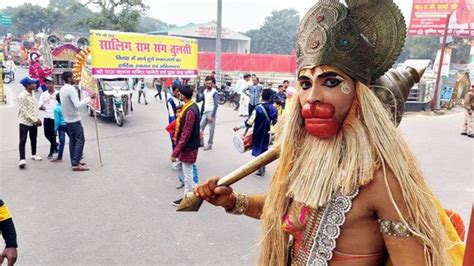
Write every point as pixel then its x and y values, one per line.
pixel 429 17
pixel 270 63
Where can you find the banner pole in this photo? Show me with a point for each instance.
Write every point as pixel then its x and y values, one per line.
pixel 97 138
pixel 435 104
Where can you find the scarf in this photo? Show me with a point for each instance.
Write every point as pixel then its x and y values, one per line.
pixel 178 119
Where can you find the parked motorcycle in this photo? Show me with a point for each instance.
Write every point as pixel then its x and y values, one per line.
pixel 226 94
pixel 6 75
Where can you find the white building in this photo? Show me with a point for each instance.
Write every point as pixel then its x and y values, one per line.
pixel 232 42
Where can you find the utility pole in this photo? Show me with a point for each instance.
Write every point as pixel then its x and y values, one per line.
pixel 219 42
pixel 435 104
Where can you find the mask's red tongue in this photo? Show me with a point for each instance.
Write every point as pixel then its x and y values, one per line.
pixel 319 120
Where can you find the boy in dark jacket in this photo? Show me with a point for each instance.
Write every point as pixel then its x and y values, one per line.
pixel 262 118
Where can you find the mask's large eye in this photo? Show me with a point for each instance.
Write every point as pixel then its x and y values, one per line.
pixel 332 82
pixel 305 85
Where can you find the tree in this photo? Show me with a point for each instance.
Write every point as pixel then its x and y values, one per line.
pixel 427 47
pixel 121 15
pixel 73 14
pixel 461 51
pixel 28 17
pixel 419 48
pixel 277 35
pixel 147 24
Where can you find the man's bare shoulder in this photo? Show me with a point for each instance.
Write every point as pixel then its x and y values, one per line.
pixel 382 189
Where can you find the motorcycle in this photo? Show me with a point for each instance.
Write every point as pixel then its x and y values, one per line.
pixel 6 76
pixel 226 94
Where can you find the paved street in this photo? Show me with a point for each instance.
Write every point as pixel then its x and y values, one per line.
pixel 121 213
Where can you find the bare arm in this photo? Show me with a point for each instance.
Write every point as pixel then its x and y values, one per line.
pixel 249 122
pixel 403 250
pixel 222 196
pixel 255 208
pixel 41 101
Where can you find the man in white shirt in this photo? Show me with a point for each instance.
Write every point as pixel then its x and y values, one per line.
pixel 71 104
pixel 243 84
pixel 47 102
pixel 10 65
pixel 141 87
pixel 209 98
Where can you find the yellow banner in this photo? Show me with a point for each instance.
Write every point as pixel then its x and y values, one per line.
pixel 120 54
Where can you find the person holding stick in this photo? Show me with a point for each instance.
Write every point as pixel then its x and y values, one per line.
pixel 347 189
pixel 71 105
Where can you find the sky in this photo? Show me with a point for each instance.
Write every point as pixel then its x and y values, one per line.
pixel 237 15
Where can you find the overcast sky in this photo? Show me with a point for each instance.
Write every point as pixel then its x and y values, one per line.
pixel 238 15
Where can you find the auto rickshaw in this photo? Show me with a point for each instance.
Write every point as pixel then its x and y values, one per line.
pixel 113 99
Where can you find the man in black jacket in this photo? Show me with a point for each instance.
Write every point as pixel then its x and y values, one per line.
pixel 187 138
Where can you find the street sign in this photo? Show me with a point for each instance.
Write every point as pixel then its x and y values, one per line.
pixel 5 20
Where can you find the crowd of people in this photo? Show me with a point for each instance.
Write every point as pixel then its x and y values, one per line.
pixel 190 112
pixel 249 89
pixel 61 117
pixel 188 122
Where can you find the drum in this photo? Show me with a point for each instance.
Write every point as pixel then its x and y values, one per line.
pixel 243 143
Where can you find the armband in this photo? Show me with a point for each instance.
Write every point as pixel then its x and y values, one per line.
pixel 397 229
pixel 241 204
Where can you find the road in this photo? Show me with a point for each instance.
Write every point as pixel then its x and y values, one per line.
pixel 121 213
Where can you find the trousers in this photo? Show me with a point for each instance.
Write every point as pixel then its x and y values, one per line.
pixel 244 105
pixel 188 177
pixel 468 122
pixel 76 142
pixel 140 93
pixel 158 91
pixel 24 131
pixel 195 175
pixel 212 126
pixel 62 131
pixel 48 125
pixel 251 108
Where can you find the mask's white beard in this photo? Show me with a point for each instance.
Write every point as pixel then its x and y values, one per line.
pixel 324 166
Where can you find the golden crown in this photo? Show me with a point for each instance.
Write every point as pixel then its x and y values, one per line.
pixel 363 38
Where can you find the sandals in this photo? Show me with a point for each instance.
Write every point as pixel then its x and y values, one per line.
pixel 80 168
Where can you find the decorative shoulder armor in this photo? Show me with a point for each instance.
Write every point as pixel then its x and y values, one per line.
pixel 395 228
